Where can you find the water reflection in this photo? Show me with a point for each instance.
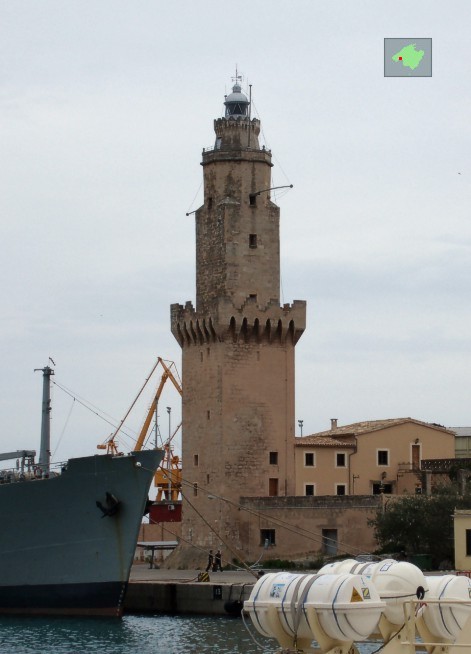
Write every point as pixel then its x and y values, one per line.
pixel 132 635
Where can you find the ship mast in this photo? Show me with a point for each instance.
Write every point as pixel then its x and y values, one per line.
pixel 45 448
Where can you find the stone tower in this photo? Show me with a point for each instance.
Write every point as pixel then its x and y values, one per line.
pixel 238 342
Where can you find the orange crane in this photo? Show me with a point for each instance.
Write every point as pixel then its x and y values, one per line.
pixel 167 374
pixel 168 478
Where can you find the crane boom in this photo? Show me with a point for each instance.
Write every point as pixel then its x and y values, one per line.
pixel 110 444
pixel 167 374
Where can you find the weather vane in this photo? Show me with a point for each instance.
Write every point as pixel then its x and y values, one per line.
pixel 237 78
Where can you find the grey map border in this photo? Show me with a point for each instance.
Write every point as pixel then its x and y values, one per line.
pixel 394 44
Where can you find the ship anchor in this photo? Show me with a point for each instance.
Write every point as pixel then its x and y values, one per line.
pixel 111 506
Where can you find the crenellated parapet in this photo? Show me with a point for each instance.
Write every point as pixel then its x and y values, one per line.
pixel 236 122
pixel 250 324
pixel 236 133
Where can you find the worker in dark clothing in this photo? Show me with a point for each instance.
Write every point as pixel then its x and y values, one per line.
pixel 217 562
pixel 210 561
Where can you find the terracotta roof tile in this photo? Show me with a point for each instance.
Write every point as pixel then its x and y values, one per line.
pixel 338 437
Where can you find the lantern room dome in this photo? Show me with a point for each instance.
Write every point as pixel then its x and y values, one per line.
pixel 236 103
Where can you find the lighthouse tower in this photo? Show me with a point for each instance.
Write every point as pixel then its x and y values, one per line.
pixel 237 342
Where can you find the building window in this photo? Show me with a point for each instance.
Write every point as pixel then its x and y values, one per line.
pixel 309 489
pixel 273 487
pixel 267 537
pixel 195 460
pixel 340 460
pixel 340 489
pixel 210 204
pixel 253 199
pixel 208 414
pixel 330 541
pixel 468 542
pixel 252 240
pixel 309 459
pixel 273 458
pixel 195 489
pixel 383 457
pixel 380 488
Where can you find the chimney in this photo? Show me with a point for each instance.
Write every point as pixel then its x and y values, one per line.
pixel 333 423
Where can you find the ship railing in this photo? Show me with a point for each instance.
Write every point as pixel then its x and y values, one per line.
pixel 14 475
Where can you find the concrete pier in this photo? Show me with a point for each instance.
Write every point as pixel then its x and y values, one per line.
pixel 179 591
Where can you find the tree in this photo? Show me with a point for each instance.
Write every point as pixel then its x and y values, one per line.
pixel 419 524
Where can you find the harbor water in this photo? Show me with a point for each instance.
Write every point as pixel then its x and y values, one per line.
pixel 133 635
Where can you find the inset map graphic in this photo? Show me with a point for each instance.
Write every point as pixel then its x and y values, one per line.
pixel 408 57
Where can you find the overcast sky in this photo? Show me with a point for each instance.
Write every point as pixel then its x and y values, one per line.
pixel 105 108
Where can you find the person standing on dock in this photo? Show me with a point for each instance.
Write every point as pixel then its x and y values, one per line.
pixel 218 562
pixel 210 561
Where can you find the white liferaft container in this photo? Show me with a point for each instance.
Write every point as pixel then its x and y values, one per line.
pixel 347 606
pixel 397 582
pixel 445 619
pixel 338 567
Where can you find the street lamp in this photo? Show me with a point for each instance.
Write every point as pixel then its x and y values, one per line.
pixel 300 424
pixel 169 411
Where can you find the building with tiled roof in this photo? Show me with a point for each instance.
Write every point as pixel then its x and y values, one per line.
pixel 370 457
pixel 462 442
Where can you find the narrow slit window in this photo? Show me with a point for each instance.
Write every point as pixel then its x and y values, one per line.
pixel 253 241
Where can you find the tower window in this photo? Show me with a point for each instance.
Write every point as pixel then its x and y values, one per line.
pixel 253 199
pixel 273 458
pixel 208 414
pixel 195 459
pixel 195 489
pixel 252 241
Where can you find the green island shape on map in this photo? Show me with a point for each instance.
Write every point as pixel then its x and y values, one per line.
pixel 410 56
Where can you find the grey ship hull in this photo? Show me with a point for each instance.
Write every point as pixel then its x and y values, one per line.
pixel 62 554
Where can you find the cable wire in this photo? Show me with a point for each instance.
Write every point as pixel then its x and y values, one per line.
pixel 296 529
pixel 64 428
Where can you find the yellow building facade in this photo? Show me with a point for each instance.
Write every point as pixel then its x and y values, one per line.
pixel 462 530
pixel 370 458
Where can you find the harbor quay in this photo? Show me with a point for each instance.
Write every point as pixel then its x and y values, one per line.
pixel 180 592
